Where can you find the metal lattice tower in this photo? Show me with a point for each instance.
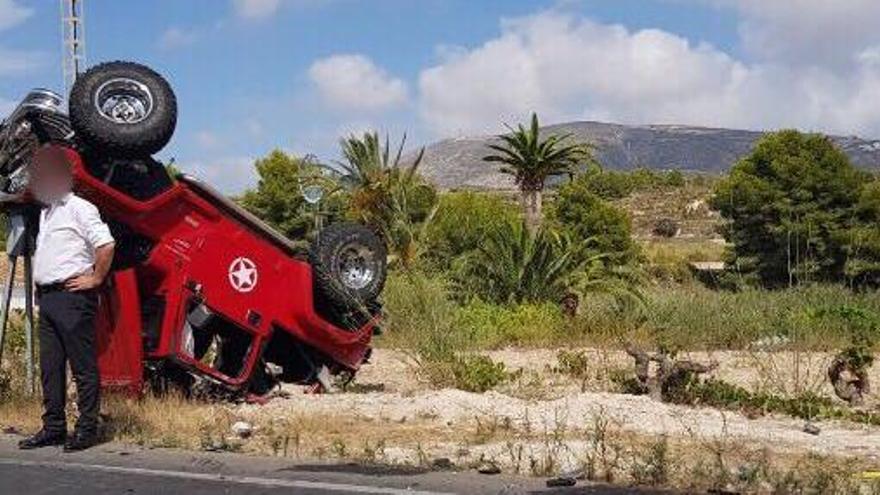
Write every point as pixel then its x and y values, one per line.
pixel 73 38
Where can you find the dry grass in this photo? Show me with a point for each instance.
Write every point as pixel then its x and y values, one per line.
pixel 175 422
pixel 667 260
pixel 648 206
pixel 595 445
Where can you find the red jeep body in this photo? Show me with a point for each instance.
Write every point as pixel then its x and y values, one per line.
pixel 201 242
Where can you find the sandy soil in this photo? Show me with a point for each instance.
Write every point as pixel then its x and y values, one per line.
pixel 545 411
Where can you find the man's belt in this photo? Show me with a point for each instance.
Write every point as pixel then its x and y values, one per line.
pixel 47 288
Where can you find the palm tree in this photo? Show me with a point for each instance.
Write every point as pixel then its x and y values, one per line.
pixel 514 265
pixel 531 161
pixel 367 163
pixel 387 193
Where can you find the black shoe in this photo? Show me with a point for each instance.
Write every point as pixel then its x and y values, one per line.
pixel 80 441
pixel 43 438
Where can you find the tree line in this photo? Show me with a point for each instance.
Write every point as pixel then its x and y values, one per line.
pixel 795 210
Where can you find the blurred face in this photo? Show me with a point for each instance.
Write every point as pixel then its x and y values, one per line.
pixel 51 178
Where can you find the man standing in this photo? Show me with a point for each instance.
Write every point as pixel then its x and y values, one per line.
pixel 74 251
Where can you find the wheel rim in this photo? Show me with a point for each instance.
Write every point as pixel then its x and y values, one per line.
pixel 357 266
pixel 124 101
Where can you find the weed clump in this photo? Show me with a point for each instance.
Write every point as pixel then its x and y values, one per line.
pixel 666 227
pixel 477 373
pixel 6 391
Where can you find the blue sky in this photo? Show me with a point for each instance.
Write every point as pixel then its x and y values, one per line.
pixel 252 75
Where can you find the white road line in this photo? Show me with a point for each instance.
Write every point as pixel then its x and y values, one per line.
pixel 241 480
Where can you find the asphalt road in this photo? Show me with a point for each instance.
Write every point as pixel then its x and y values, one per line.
pixel 116 469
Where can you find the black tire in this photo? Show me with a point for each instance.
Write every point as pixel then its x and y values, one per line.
pixel 337 253
pixel 142 121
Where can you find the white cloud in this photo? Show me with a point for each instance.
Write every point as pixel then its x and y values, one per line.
pixel 12 14
pixel 207 139
pixel 175 37
pixel 566 67
pixel 262 9
pixel 229 174
pixel 811 32
pixel 254 127
pixel 256 9
pixel 354 82
pixel 15 62
pixel 355 128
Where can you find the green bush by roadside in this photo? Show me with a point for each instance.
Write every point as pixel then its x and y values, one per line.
pixel 613 184
pixel 424 316
pixel 493 326
pixel 586 216
pixel 694 317
pixel 797 211
pixel 461 223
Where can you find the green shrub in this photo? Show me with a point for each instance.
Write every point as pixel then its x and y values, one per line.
pixel 487 325
pixel 420 314
pixel 645 178
pixel 277 199
pixel 669 260
pixel 693 317
pixel 666 227
pixel 422 319
pixel 572 363
pixel 720 394
pixel 612 184
pixel 575 364
pixel 468 372
pixel 478 373
pixel 462 221
pixel 674 178
pixel 586 216
pixel 608 184
pixel 651 467
pixel 388 194
pixel 863 242
pixel 791 210
pixel 514 265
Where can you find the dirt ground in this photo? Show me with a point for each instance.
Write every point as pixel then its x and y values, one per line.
pixel 542 423
pixel 546 417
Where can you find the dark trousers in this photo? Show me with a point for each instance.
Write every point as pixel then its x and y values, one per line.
pixel 67 333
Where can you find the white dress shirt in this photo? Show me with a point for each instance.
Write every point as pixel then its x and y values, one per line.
pixel 71 230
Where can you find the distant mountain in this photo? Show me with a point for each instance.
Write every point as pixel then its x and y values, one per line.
pixel 457 163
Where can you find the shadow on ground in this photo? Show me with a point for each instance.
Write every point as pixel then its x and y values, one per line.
pixel 357 468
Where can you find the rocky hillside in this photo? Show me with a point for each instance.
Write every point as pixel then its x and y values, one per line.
pixel 457 163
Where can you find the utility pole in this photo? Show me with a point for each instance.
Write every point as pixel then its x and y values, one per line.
pixel 20 242
pixel 73 39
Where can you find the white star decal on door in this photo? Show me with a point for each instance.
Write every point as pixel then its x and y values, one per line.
pixel 243 274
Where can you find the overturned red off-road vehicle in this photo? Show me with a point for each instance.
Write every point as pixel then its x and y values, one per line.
pixel 203 295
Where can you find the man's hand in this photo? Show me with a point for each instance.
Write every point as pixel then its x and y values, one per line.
pixel 89 281
pixel 83 282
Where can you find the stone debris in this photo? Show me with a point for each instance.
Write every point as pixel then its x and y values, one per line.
pixel 242 429
pixel 442 463
pixel 488 468
pixel 561 482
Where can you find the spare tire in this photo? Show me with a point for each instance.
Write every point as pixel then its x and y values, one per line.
pixel 123 108
pixel 349 265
